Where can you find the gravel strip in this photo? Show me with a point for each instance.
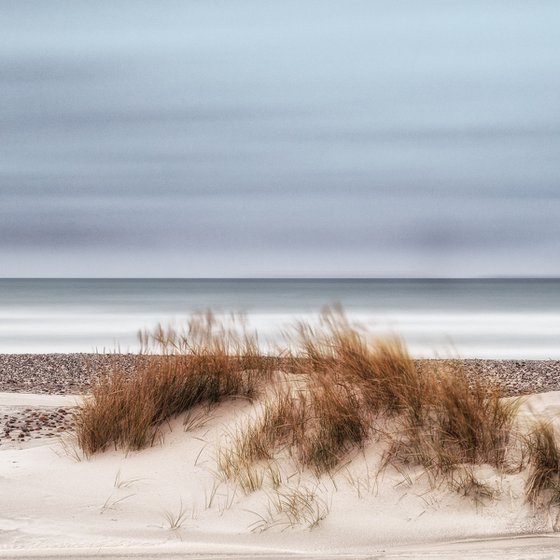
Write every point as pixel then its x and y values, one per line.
pixel 515 377
pixel 58 374
pixel 49 374
pixel 74 374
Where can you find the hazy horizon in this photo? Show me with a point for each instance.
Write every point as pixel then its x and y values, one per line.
pixel 281 139
pixel 277 278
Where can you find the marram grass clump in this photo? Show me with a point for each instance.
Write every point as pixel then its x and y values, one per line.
pixel 351 388
pixel 203 364
pixel 455 422
pixel 332 391
pixel 543 456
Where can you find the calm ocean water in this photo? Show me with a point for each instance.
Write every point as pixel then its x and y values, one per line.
pixel 467 318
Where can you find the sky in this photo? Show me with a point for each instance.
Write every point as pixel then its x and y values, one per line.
pixel 279 138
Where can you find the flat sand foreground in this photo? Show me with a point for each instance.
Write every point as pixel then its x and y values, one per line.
pixel 508 548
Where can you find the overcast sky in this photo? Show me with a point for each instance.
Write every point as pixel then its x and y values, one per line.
pixel 280 138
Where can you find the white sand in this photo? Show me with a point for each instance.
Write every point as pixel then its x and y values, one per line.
pixel 114 503
pixel 22 400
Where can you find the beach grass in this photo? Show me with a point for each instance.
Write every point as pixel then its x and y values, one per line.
pixel 203 364
pixel 543 455
pixel 333 390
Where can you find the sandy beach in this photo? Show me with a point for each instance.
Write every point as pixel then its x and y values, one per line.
pixel 169 499
pixel 278 280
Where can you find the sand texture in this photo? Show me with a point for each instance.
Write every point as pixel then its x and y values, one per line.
pixel 169 500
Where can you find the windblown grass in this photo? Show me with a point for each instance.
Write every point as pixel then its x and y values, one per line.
pixel 333 390
pixel 337 425
pixel 543 482
pixel 455 422
pixel 465 482
pixel 351 387
pixel 318 424
pixel 202 365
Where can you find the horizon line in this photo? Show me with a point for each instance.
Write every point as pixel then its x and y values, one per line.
pixel 287 278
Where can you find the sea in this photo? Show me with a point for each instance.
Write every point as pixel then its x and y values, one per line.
pixel 446 318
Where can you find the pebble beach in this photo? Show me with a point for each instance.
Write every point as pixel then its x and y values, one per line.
pixel 73 374
pixel 49 374
pixel 65 374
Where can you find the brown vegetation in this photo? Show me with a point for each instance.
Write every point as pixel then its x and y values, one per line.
pixel 543 483
pixel 333 389
pixel 202 365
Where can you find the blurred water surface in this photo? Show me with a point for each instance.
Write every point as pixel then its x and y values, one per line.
pixel 446 318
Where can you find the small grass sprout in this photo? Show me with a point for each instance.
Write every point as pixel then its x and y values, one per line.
pixel 176 519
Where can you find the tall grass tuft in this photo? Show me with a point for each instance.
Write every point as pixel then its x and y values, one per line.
pixel 474 421
pixel 543 483
pixel 381 371
pixel 454 422
pixel 437 419
pixel 335 424
pixel 202 364
pixel 336 383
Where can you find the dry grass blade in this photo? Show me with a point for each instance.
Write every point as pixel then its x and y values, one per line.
pixel 465 482
pixel 291 508
pixel 456 422
pixel 338 424
pixel 176 519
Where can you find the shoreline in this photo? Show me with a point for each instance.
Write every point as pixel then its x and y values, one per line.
pixel 73 373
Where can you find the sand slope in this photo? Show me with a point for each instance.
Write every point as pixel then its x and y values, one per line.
pixel 54 502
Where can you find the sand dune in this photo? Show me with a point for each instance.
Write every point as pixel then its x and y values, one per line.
pixel 57 503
